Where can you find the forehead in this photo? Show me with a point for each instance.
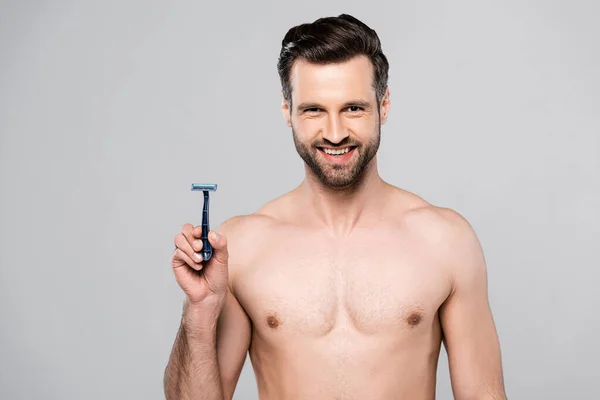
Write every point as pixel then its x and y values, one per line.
pixel 332 82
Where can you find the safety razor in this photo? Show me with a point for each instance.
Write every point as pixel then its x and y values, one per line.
pixel 207 249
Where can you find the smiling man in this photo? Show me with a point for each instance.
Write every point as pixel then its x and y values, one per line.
pixel 347 286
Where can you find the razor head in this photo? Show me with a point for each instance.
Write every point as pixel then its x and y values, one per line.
pixel 211 187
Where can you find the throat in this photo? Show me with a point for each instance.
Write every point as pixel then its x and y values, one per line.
pixel 341 210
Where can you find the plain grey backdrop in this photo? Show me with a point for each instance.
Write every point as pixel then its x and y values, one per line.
pixel 110 109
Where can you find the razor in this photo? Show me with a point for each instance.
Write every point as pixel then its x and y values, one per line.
pixel 207 249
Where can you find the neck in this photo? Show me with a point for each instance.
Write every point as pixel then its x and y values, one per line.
pixel 339 210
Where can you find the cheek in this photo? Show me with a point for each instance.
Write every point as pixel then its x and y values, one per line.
pixel 308 127
pixel 362 127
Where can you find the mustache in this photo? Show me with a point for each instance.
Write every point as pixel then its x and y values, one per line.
pixel 344 143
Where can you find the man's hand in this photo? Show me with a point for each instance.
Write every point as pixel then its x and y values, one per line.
pixel 204 283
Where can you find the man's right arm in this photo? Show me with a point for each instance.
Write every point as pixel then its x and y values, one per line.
pixel 206 360
pixel 215 331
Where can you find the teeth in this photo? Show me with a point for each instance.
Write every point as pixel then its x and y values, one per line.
pixel 337 152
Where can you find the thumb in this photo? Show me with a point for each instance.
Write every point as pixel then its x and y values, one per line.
pixel 219 245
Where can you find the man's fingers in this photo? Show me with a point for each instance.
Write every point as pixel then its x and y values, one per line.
pixel 219 245
pixel 188 232
pixel 197 232
pixel 192 236
pixel 180 255
pixel 182 243
pixel 187 229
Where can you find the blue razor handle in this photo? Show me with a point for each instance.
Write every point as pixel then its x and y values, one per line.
pixel 206 246
pixel 207 249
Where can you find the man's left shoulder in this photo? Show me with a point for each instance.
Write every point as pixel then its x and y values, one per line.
pixel 440 226
pixel 440 219
pixel 448 237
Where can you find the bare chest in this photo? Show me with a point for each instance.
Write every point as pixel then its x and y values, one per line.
pixel 307 287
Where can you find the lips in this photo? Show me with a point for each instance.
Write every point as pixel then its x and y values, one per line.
pixel 337 155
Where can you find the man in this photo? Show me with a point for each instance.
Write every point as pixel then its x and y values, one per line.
pixel 345 287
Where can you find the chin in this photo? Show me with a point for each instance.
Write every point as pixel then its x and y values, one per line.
pixel 335 181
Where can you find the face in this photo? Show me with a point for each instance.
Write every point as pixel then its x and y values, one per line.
pixel 335 119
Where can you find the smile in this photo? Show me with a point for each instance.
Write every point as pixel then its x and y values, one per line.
pixel 338 155
pixel 336 152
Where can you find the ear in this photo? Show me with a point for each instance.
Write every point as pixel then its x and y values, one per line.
pixel 286 110
pixel 384 107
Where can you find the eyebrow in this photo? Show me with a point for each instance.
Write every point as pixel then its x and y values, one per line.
pixel 358 103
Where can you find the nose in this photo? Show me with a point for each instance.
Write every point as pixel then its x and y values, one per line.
pixel 335 132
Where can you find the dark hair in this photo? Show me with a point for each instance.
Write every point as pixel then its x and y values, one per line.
pixel 332 40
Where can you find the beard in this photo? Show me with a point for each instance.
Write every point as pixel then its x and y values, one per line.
pixel 339 176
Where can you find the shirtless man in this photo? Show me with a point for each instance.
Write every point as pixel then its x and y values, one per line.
pixel 345 287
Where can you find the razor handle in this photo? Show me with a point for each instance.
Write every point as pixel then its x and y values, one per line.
pixel 207 249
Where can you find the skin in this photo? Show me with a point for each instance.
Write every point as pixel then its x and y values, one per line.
pixel 347 286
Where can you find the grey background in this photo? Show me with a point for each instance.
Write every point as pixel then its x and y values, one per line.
pixel 110 109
